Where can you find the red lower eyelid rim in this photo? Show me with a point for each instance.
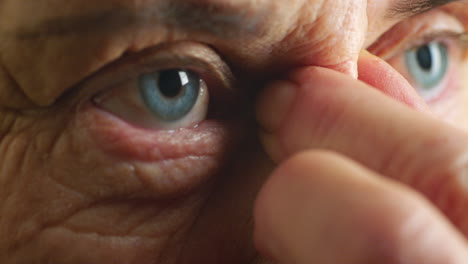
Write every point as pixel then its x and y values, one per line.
pixel 119 138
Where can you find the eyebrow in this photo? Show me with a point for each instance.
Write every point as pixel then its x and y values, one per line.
pixel 406 8
pixel 226 21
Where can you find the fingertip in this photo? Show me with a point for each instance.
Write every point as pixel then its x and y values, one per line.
pixel 274 104
pixel 377 73
pixel 273 107
pixel 272 146
pixel 318 203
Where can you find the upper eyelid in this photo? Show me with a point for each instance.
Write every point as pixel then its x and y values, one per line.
pixel 433 36
pixel 188 55
pixel 459 34
pixel 417 31
pixel 449 38
pixel 183 55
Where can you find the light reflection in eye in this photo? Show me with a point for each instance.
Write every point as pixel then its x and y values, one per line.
pixel 429 51
pixel 433 66
pixel 162 99
pixel 170 94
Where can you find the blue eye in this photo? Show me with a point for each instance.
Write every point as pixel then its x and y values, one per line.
pixel 427 65
pixel 170 94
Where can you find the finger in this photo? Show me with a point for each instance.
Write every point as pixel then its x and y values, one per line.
pixel 372 70
pixel 331 111
pixel 379 74
pixel 319 207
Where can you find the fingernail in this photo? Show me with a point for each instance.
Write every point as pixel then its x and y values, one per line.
pixel 366 54
pixel 274 105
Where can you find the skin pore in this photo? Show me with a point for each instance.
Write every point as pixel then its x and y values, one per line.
pixel 82 183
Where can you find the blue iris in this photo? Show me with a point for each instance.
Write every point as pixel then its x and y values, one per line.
pixel 170 94
pixel 427 64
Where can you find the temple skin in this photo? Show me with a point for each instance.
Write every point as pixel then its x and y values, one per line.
pixel 78 185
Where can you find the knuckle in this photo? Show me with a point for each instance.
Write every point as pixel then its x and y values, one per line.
pixel 450 194
pixel 441 175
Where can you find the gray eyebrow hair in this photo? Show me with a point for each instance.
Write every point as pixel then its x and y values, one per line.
pixel 408 8
pixel 226 21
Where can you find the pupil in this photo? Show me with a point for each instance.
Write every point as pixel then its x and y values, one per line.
pixel 170 84
pixel 424 57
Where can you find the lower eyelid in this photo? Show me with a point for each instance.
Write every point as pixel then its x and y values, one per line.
pixel 203 147
pixel 124 139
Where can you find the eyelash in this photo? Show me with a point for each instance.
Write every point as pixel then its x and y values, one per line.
pixel 401 43
pixel 122 76
pixel 455 50
pixel 459 39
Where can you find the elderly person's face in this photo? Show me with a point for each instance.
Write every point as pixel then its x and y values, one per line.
pixel 113 151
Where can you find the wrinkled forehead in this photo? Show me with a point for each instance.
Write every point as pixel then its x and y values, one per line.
pixel 28 18
pixel 52 17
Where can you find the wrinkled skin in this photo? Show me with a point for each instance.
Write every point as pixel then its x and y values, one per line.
pixel 77 186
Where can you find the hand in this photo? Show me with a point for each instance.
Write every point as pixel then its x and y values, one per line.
pixel 353 164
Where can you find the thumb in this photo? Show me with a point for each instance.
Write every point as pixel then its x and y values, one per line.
pixel 320 207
